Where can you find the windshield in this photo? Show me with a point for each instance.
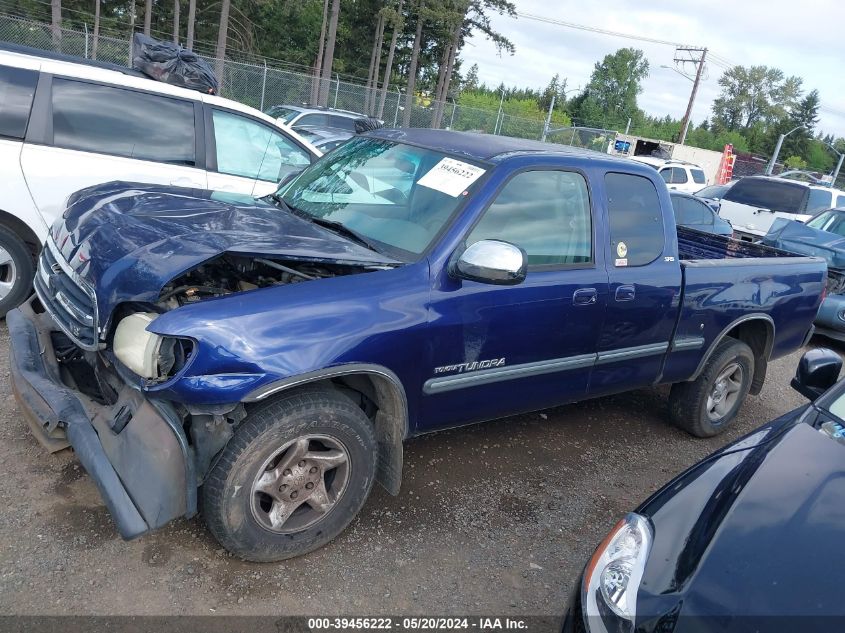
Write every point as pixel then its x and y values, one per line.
pixel 819 199
pixel 398 197
pixel 829 221
pixel 713 191
pixel 282 112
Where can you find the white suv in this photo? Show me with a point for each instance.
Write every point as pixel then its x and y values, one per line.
pixel 678 175
pixel 66 125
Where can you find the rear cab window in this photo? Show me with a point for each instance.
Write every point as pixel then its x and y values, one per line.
pixel 17 89
pixel 636 219
pixel 776 195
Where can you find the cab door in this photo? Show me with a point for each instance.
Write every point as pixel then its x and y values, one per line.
pixel 498 350
pixel 644 285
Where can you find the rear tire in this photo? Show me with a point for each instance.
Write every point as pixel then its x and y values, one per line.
pixel 17 270
pixel 706 406
pixel 292 478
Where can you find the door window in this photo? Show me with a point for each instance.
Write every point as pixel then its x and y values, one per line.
pixel 698 176
pixel 107 120
pixel 547 213
pixel 252 150
pixel 819 199
pixel 636 219
pixel 342 122
pixel 679 176
pixel 321 120
pixel 17 87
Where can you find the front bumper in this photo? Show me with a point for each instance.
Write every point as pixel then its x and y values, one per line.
pixel 135 449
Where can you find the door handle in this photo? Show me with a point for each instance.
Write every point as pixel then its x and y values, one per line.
pixel 585 296
pixel 625 293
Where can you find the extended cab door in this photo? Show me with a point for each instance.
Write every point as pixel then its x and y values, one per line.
pixel 95 133
pixel 247 155
pixel 644 285
pixel 528 346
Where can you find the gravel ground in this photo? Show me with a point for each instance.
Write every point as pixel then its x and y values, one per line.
pixel 492 519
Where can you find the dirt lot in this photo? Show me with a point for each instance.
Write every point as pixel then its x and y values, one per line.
pixel 492 519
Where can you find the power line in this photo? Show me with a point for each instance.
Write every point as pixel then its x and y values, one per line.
pixel 593 29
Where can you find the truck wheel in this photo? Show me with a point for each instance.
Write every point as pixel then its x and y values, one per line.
pixel 708 404
pixel 16 271
pixel 294 475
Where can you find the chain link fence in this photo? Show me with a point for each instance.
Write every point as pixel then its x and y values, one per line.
pixel 264 84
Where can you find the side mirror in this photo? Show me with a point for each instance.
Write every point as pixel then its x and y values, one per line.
pixel 818 370
pixel 491 262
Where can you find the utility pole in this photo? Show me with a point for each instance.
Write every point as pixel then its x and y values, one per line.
pixel 699 62
pixel 771 166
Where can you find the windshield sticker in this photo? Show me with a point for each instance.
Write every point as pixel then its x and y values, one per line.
pixel 451 177
pixel 621 250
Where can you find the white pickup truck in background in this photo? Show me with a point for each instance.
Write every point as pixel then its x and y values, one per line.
pixel 753 203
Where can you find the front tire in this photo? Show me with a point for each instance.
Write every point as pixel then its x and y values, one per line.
pixel 292 478
pixel 706 406
pixel 17 271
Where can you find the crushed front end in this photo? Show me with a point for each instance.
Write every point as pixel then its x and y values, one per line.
pixel 133 447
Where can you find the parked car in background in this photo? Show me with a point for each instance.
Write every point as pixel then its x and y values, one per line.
pixel 755 202
pixel 694 213
pixel 325 139
pixel 741 541
pixel 821 236
pixel 678 175
pixel 315 117
pixel 712 194
pixel 275 360
pixel 66 125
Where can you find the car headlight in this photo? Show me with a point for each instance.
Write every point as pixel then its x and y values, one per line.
pixel 146 353
pixel 612 577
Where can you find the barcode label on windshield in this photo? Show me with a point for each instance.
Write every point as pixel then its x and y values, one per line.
pixel 451 177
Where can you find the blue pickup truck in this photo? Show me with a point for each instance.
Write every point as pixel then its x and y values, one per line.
pixel 268 358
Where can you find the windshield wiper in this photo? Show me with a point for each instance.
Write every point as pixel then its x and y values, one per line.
pixel 338 227
pixel 333 226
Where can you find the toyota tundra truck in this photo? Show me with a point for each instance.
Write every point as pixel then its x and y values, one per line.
pixel 264 360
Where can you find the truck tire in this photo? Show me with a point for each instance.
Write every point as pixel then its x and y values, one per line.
pixel 294 475
pixel 17 271
pixel 706 406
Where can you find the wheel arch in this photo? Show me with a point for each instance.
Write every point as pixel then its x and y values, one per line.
pixel 22 230
pixel 377 384
pixel 755 330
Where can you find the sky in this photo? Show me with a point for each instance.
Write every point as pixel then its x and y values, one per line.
pixel 803 39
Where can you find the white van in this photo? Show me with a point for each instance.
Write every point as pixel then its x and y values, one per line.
pixel 678 175
pixel 67 124
pixel 753 203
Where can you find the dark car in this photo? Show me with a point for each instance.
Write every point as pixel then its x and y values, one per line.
pixel 696 214
pixel 745 540
pixel 712 194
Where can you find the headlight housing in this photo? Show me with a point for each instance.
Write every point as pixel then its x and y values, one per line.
pixel 145 353
pixel 612 577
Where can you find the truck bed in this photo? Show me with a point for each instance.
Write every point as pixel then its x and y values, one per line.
pixel 696 245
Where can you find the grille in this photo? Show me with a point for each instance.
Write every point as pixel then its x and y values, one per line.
pixel 71 304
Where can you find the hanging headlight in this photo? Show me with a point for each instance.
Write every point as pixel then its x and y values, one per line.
pixel 145 353
pixel 612 577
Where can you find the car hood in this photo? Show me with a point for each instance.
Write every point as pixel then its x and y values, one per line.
pixel 797 237
pixel 752 532
pixel 128 240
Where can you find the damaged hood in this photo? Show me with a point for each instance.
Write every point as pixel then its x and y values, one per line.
pixel 128 239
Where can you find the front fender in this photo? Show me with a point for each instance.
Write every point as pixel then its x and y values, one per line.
pixel 247 341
